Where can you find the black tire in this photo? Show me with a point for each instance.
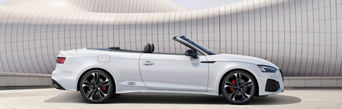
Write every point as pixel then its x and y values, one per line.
pixel 238 87
pixel 114 96
pixel 262 96
pixel 96 86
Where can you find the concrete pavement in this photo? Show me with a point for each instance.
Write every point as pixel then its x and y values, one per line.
pixel 57 99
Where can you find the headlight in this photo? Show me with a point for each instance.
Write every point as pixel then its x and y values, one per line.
pixel 265 68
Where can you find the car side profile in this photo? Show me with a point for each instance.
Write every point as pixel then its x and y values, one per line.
pixel 103 73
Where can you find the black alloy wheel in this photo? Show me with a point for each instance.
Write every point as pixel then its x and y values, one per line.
pixel 238 87
pixel 96 86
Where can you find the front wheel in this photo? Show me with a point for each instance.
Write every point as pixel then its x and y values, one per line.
pixel 238 87
pixel 96 86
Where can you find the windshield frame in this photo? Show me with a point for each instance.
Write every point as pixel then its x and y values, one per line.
pixel 194 45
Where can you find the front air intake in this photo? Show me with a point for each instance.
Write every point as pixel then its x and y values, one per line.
pixel 272 85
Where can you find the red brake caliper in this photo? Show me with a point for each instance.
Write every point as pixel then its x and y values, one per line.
pixel 104 88
pixel 233 82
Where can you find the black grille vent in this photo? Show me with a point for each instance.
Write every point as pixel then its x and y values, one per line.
pixel 272 85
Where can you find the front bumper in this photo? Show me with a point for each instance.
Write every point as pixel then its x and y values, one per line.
pixel 270 83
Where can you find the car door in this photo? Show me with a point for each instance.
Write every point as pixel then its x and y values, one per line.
pixel 174 72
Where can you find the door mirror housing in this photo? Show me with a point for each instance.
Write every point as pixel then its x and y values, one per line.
pixel 192 53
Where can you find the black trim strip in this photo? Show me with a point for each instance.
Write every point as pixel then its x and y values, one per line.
pixel 208 61
pixel 282 76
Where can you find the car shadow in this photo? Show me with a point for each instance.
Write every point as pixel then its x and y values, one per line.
pixel 73 97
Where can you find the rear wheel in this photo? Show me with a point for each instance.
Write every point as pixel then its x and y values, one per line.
pixel 238 87
pixel 96 86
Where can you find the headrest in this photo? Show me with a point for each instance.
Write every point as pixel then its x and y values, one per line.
pixel 149 48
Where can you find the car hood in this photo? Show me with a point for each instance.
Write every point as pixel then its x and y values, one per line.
pixel 241 58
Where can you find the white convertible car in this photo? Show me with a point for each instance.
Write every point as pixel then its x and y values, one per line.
pixel 103 73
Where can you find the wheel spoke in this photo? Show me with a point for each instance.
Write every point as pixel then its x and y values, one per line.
pixel 102 94
pixel 87 83
pixel 228 84
pixel 105 83
pixel 232 95
pixel 91 94
pixel 93 81
pixel 97 77
pixel 225 86
pixel 248 83
pixel 237 76
pixel 244 94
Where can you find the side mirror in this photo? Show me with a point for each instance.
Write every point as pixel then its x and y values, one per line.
pixel 192 53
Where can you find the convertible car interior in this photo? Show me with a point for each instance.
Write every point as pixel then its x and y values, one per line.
pixel 149 48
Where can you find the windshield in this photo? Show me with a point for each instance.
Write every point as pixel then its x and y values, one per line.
pixel 208 51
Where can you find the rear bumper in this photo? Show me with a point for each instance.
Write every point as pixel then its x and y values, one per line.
pixel 64 80
pixel 56 85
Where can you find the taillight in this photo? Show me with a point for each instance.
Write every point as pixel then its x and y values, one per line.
pixel 61 60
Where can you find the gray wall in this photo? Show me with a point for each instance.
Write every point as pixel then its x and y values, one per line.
pixel 300 36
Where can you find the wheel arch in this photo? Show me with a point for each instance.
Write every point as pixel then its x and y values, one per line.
pixel 230 71
pixel 111 76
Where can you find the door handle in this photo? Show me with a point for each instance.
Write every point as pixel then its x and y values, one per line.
pixel 148 63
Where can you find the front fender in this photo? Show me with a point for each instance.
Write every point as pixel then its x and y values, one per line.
pixel 219 69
